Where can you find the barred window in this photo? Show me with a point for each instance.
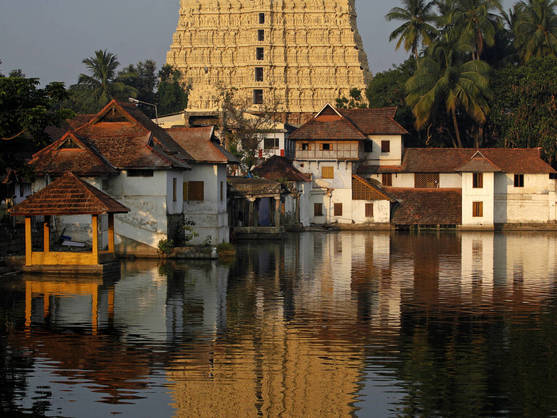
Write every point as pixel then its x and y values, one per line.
pixel 426 180
pixel 519 180
pixel 387 179
pixel 369 210
pixel 194 191
pixel 478 180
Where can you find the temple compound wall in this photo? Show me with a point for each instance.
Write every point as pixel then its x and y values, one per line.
pixel 294 54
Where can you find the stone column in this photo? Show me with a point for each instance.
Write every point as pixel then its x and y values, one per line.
pixel 277 211
pixel 251 221
pixel 111 233
pixel 298 220
pixel 95 234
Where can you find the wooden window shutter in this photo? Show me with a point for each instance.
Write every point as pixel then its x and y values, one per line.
pixel 385 146
pixel 185 191
pixel 477 209
pixel 317 209
pixel 387 179
pixel 369 210
pixel 196 190
pixel 338 209
pixel 478 180
pixel 328 172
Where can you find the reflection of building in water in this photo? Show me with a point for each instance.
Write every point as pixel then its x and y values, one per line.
pixel 271 371
pixel 67 302
pixel 498 265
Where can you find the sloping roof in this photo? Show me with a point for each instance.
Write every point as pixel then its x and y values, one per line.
pixel 124 137
pixel 254 187
pixel 479 164
pixel 327 128
pixel 448 160
pixel 349 124
pixel 68 195
pixel 378 169
pixel 200 144
pixel 375 190
pixel 279 168
pixel 375 121
pixel 426 206
pixel 71 153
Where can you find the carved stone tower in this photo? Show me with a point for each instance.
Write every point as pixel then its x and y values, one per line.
pixel 296 54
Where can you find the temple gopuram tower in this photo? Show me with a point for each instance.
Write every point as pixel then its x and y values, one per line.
pixel 297 55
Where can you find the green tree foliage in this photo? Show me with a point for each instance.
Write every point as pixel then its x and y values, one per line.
pixel 417 28
pixel 172 93
pixel 142 78
pixel 524 108
pixel 446 81
pixel 96 89
pixel 355 100
pixel 535 29
pixel 25 111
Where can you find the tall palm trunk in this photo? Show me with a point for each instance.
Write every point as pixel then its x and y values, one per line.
pixel 457 132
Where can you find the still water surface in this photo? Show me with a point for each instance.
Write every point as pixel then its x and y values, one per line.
pixel 369 324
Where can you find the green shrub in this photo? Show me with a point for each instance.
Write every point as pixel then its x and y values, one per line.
pixel 225 246
pixel 166 246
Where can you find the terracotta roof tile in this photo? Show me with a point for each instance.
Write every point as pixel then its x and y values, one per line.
pixel 279 168
pixel 68 195
pixel 377 191
pixel 71 153
pixel 448 160
pixel 251 186
pixel 122 135
pixel 426 206
pixel 337 129
pixel 375 121
pixel 200 144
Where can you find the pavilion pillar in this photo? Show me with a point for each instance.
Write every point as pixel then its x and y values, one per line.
pixel 277 211
pixel 251 218
pixel 298 208
pixel 28 242
pixel 95 233
pixel 111 233
pixel 46 234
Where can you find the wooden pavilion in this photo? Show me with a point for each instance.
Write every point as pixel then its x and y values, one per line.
pixel 69 195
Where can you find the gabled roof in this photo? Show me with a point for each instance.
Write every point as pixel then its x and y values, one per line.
pixel 125 138
pixel 375 121
pixel 479 164
pixel 426 206
pixel 68 195
pixel 449 160
pixel 201 144
pixel 71 153
pixel 328 124
pixel 278 169
pixel 349 124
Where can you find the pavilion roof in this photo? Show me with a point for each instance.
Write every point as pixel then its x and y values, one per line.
pixel 68 195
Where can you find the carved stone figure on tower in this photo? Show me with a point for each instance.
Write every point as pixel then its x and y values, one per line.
pixel 241 43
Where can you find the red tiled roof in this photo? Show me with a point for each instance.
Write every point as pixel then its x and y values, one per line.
pixel 349 124
pixel 447 160
pixel 426 206
pixel 328 129
pixel 279 168
pixel 200 144
pixel 377 191
pixel 376 169
pixel 478 163
pixel 125 137
pixel 79 157
pixel 68 195
pixel 375 121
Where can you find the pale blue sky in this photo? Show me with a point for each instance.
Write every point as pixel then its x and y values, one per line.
pixel 49 38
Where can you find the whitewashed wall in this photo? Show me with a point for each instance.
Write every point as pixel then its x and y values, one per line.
pixel 381 211
pixel 376 157
pixel 210 216
pixel 485 195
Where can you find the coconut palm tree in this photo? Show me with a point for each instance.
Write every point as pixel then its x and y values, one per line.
pixel 477 23
pixel 417 28
pixel 101 79
pixel 444 80
pixel 535 29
